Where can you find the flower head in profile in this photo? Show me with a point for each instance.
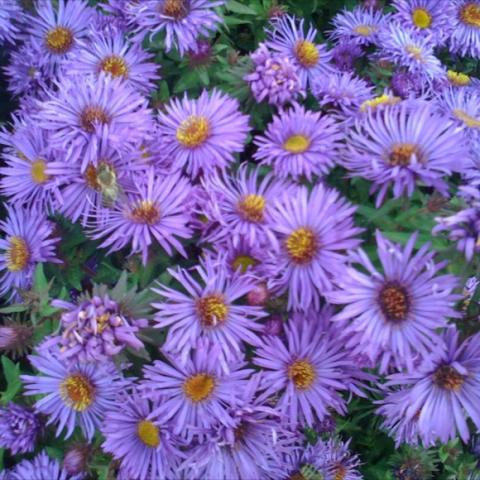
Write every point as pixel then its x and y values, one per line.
pixel 182 21
pixel 299 143
pixel 153 211
pixel 465 38
pixel 198 394
pixel 40 468
pixel 145 447
pixel 27 241
pixel 203 134
pixel 210 309
pixel 403 145
pixel 287 36
pixel 75 395
pixel 394 315
pixel 19 428
pixel 436 399
pixel 314 231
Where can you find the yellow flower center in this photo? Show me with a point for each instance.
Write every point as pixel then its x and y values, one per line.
pixel 448 378
pixel 470 15
pixel 297 144
pixel 467 119
pixel 307 53
pixel 458 79
pixel 415 52
pixel 38 171
pixel 421 18
pixel 393 300
pixel 193 131
pixel 91 117
pixel 199 387
pixel 365 30
pixel 145 211
pixel 115 66
pixel 17 255
pixel 252 207
pixel 176 9
pixel 302 245
pixel 148 433
pixel 212 309
pixel 377 101
pixel 401 154
pixel 302 374
pixel 77 392
pixel 242 262
pixel 59 40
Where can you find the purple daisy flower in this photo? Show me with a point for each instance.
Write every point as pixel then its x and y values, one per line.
pixel 57 31
pixel 308 371
pixel 427 18
pixel 242 205
pixel 28 241
pixel 394 315
pixel 275 78
pixel 183 21
pixel 203 134
pixel 345 54
pixel 87 111
pixel 406 49
pixel 146 447
pixel 96 329
pixel 361 26
pixel 74 395
pixel 198 394
pixel 314 230
pixel 299 143
pixel 442 393
pixel 210 309
pixel 465 38
pixel 405 144
pixel 153 210
pixel 287 36
pixel 40 468
pixel 19 429
pixel 115 56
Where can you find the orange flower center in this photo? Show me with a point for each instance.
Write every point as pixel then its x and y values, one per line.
pixel 177 9
pixel 394 302
pixel 212 309
pixel 193 131
pixel 470 15
pixel 302 245
pixel 17 255
pixel 252 207
pixel 302 374
pixel 91 117
pixel 448 378
pixel 145 211
pixel 78 392
pixel 59 40
pixel 401 154
pixel 199 387
pixel 115 66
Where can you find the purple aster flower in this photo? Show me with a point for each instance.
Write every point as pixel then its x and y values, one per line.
pixel 10 14
pixel 28 241
pixel 427 18
pixel 464 229
pixel 333 460
pixel 183 21
pixel 405 144
pixel 299 143
pixel 19 429
pixel 275 78
pixel 406 49
pixel 361 26
pixel 345 54
pixel 203 134
pixel 407 84
pixel 86 111
pixel 210 309
pixel 287 36
pixel 342 92
pixel 73 395
pixel 145 446
pixel 96 329
pixel 394 315
pixel 117 57
pixel 40 468
pixel 246 449
pixel 153 211
pixel 441 394
pixel 57 31
pixel 198 394
pixel 309 370
pixel 465 38
pixel 242 205
pixel 314 230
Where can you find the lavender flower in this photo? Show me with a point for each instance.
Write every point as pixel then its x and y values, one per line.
pixel 345 54
pixel 10 14
pixel 40 468
pixel 465 38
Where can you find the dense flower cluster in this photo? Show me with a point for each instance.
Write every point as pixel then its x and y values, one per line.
pixel 274 299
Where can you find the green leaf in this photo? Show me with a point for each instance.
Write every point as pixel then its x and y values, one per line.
pixel 11 372
pixel 17 308
pixel 237 7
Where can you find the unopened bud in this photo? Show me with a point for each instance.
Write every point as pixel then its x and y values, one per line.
pixel 273 326
pixel 258 296
pixel 76 459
